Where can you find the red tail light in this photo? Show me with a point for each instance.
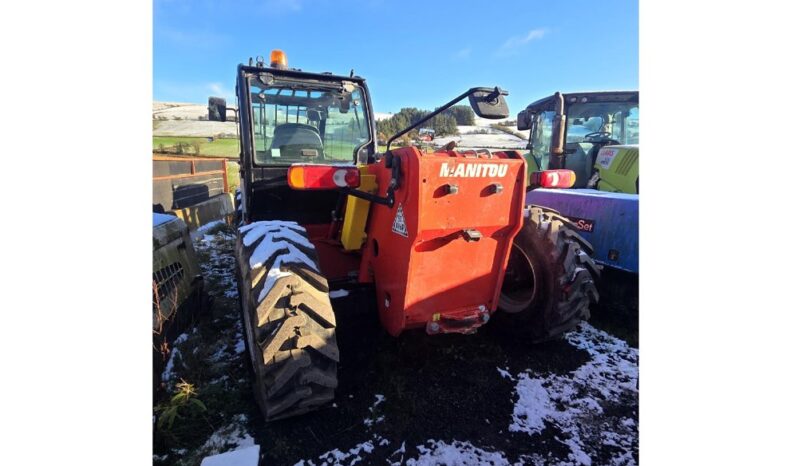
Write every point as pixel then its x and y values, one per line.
pixel 308 176
pixel 552 179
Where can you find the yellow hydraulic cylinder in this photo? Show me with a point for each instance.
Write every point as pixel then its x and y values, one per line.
pixel 353 231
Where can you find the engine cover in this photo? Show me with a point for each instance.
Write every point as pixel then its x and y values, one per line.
pixel 438 256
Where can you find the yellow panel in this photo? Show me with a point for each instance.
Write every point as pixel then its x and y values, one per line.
pixel 353 232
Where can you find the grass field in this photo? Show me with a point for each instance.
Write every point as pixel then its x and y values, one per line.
pixel 216 148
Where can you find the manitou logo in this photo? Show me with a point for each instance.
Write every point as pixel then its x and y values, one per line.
pixel 474 170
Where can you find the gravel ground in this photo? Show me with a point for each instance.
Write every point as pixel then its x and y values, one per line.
pixel 421 400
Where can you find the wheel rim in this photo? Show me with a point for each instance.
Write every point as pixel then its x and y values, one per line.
pixel 519 286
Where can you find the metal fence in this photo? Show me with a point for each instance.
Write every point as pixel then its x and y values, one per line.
pixel 179 182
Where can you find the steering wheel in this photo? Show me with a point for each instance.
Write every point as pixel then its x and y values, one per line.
pixel 599 137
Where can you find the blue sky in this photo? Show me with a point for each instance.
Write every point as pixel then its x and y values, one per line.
pixel 412 53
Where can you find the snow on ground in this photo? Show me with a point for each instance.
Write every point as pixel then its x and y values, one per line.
pixel 217 356
pixel 220 265
pixel 350 457
pixel 233 434
pixel 455 454
pixel 374 419
pixel 482 135
pixel 189 123
pixel 338 294
pixel 574 405
pixel 244 457
pixel 194 128
pixel 168 374
pixel 575 402
pixel 210 225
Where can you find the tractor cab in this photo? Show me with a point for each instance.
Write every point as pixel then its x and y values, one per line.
pixel 288 116
pixel 567 131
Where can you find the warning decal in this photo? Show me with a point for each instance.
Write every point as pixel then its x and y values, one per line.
pixel 399 226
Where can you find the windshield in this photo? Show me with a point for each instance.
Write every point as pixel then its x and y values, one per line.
pixel 619 119
pixel 303 122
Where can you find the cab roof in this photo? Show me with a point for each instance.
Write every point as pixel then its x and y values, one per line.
pixel 592 96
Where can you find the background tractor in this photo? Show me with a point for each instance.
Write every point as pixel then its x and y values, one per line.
pixel 596 135
pixel 443 239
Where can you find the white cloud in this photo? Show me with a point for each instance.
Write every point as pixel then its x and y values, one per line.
pixel 462 54
pixel 514 43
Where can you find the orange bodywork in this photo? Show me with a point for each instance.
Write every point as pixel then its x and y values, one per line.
pixel 437 257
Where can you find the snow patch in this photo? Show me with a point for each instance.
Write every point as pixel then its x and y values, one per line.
pixel 573 402
pixel 209 226
pixel 244 457
pixel 234 434
pixel 338 294
pixel 456 453
pixel 369 421
pixel 349 457
pixel 505 374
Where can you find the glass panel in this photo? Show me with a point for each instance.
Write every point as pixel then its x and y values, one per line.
pixel 541 139
pixel 619 119
pixel 303 122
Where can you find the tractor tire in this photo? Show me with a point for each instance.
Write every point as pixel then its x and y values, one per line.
pixel 289 324
pixel 550 280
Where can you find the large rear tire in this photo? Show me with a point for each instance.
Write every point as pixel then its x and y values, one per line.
pixel 550 278
pixel 289 324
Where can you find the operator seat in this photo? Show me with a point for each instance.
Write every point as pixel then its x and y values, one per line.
pixel 297 141
pixel 578 159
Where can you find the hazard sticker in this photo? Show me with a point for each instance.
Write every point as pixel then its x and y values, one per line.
pixel 605 157
pixel 399 227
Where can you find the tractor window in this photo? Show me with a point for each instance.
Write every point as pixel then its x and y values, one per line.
pixel 296 124
pixel 540 138
pixel 627 131
pixel 619 119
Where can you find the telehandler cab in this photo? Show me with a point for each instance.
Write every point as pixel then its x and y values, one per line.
pixel 444 238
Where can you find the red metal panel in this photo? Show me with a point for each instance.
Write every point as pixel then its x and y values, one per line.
pixel 335 263
pixel 434 276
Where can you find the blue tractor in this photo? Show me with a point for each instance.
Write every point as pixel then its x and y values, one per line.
pixel 594 134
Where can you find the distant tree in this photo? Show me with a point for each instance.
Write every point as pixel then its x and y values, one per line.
pixel 462 114
pixel 443 124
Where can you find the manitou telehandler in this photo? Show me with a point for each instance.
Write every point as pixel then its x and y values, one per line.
pixel 444 238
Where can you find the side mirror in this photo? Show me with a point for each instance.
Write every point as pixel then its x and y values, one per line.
pixel 217 109
pixel 524 120
pixel 489 104
pixel 344 108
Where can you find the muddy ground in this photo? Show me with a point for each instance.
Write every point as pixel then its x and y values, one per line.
pixel 448 399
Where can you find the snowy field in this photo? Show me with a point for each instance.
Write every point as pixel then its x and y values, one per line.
pixel 415 400
pixel 481 135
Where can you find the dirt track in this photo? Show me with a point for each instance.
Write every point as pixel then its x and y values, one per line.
pixel 450 399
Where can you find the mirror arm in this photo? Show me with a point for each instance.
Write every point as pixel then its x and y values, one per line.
pixel 495 93
pixel 396 181
pixel 428 117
